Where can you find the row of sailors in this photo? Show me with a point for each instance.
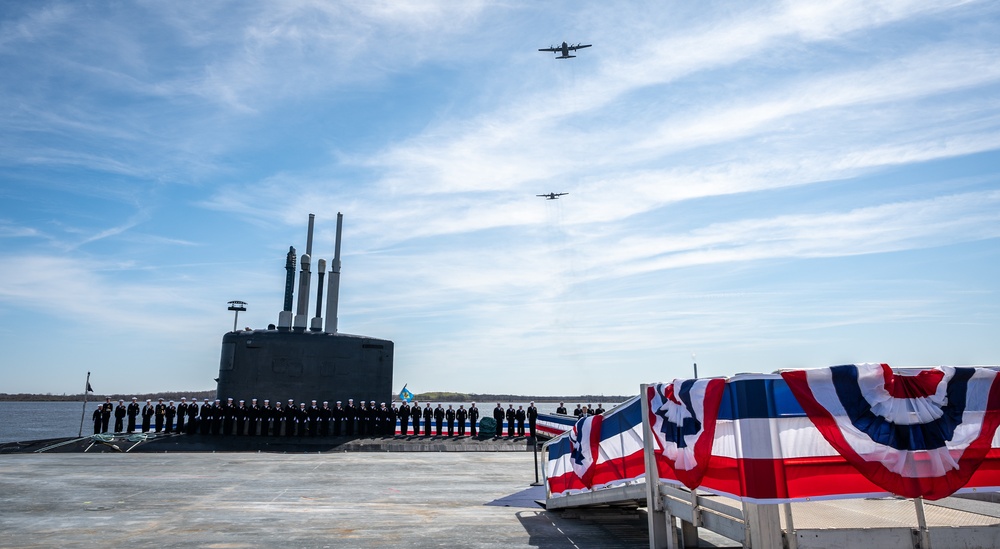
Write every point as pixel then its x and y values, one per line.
pixel 231 419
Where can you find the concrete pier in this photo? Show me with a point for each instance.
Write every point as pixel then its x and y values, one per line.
pixel 341 499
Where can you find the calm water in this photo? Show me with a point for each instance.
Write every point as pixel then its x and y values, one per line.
pixel 40 420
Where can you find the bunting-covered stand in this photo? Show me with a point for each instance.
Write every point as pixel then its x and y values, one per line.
pixel 832 433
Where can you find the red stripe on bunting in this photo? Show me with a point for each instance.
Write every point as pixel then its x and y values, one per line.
pixel 921 385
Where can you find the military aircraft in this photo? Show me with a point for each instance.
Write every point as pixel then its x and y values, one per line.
pixel 565 49
pixel 551 196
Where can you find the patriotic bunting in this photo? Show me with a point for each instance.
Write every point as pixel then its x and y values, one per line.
pixel 584 440
pixel 913 435
pixel 682 416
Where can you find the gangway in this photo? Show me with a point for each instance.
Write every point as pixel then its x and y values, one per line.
pixel 788 519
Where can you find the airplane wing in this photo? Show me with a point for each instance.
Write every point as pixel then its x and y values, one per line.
pixel 580 46
pixel 549 49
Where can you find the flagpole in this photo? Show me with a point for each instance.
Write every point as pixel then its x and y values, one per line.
pixel 83 414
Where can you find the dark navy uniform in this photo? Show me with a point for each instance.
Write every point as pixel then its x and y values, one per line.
pixel 473 418
pixel 498 415
pixel 404 418
pixel 428 415
pixel 97 419
pixel 350 414
pixel 182 410
pixel 161 414
pixel 520 415
pixel 532 418
pixel 460 416
pixel 106 409
pixel 133 412
pixel 416 413
pixel 561 409
pixel 511 416
pixel 168 414
pixel 450 415
pixel 120 412
pixel 438 418
pixel 147 415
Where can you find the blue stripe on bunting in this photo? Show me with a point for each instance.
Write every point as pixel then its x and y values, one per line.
pixel 921 436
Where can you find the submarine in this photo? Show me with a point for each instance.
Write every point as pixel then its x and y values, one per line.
pixel 304 359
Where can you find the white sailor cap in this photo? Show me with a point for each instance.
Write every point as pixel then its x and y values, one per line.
pixel 338 402
pixel 120 401
pixel 147 400
pixel 314 402
pixel 266 401
pixel 230 398
pixel 171 402
pixel 302 405
pixel 326 402
pixel 241 402
pixel 292 400
pixel 183 398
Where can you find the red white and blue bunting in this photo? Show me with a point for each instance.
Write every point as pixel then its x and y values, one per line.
pixel 584 441
pixel 682 417
pixel 913 435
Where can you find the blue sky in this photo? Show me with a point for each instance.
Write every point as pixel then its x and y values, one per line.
pixel 767 185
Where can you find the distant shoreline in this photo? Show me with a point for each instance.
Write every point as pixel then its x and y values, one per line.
pixel 423 397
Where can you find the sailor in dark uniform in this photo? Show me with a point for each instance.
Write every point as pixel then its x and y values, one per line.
pixel 325 417
pixel 438 418
pixel 229 416
pixel 120 412
pixel 415 414
pixel 278 417
pixel 291 414
pixel 147 415
pixel 532 418
pixel 449 414
pixel 428 416
pixel 218 417
pixel 313 418
pixel 561 409
pixel 460 416
pixel 133 412
pixel 253 418
pixel 361 415
pixel 192 417
pixel 161 414
pixel 98 412
pixel 338 419
pixel 182 410
pixel 498 415
pixel 350 414
pixel 241 415
pixel 205 418
pixel 302 417
pixel 168 415
pixel 520 416
pixel 511 417
pixel 473 418
pixel 373 419
pixel 404 418
pixel 266 413
pixel 578 412
pixel 391 414
pixel 106 410
pixel 600 408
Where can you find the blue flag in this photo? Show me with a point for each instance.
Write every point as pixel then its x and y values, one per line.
pixel 405 395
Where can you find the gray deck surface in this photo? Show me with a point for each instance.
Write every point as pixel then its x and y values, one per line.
pixel 234 500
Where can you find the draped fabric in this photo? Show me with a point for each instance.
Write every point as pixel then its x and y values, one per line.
pixel 682 416
pixel 584 440
pixel 913 435
pixel 851 431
